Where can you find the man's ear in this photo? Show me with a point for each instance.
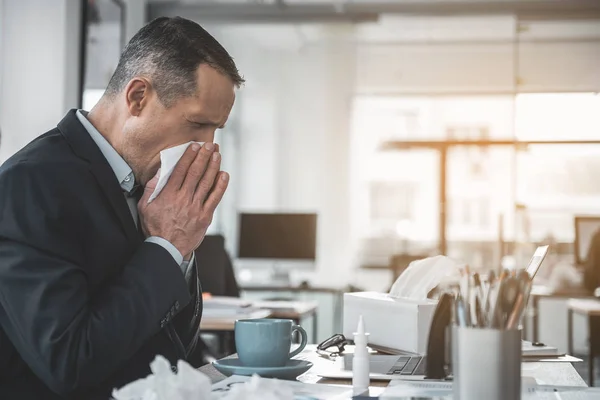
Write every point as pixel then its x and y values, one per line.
pixel 137 95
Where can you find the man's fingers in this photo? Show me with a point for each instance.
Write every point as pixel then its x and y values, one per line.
pixel 179 173
pixel 149 188
pixel 208 179
pixel 198 168
pixel 215 196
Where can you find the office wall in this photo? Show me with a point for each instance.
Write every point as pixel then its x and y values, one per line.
pixel 291 144
pixel 39 74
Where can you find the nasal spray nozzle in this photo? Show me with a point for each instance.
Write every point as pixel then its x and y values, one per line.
pixel 360 362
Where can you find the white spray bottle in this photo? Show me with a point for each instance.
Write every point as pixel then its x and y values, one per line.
pixel 360 362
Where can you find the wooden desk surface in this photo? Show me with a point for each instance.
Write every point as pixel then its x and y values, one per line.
pixel 294 289
pixel 288 309
pixel 589 307
pixel 228 323
pixel 295 310
pixel 550 373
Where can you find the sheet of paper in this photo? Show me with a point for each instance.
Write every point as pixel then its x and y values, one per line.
pixel 531 391
pixel 398 389
pixel 546 392
pixel 302 391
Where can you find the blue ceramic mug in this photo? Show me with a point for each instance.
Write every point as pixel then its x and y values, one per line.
pixel 266 342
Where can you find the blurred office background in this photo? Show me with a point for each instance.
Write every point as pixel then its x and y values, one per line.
pixel 408 128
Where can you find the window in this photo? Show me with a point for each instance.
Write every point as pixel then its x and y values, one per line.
pixel 497 194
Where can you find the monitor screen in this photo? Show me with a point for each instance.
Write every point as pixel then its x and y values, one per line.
pixel 278 236
pixel 585 228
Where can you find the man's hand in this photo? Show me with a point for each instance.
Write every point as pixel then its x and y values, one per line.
pixel 184 209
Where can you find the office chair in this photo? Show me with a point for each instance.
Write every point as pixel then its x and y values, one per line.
pixel 215 268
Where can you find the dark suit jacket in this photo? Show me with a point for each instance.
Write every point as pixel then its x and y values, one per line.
pixel 85 304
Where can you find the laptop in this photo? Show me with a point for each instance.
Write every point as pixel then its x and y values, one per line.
pixel 407 366
pixel 383 367
pixel 536 260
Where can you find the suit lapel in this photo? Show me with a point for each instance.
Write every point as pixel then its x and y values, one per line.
pixel 85 147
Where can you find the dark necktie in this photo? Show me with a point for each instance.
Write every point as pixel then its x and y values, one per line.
pixel 133 198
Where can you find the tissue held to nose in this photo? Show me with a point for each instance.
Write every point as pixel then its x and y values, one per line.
pixel 168 161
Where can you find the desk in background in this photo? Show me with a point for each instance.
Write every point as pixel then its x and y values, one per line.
pixel 329 302
pixel 539 292
pixel 223 326
pixel 212 323
pixel 591 309
pixel 294 310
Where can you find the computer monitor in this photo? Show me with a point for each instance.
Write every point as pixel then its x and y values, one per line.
pixel 278 236
pixel 585 228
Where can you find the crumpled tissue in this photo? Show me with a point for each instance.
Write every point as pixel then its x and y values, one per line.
pixel 168 161
pixel 191 384
pixel 421 277
pixel 164 384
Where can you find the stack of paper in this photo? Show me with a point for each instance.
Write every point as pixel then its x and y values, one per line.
pixel 529 350
pixel 223 307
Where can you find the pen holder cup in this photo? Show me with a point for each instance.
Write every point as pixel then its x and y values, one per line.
pixel 486 364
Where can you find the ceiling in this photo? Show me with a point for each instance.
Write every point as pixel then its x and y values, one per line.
pixel 275 11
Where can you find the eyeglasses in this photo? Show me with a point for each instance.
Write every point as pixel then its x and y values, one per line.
pixel 338 340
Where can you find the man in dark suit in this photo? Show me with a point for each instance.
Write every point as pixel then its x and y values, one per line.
pixel 94 280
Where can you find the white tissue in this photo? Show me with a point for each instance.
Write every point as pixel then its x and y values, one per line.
pixel 168 161
pixel 421 276
pixel 191 384
pixel 164 384
pixel 260 389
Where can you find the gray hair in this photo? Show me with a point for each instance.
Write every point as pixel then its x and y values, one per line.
pixel 168 51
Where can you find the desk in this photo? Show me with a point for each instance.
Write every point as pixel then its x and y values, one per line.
pixel 551 373
pixel 294 310
pixel 590 309
pixel 227 324
pixel 300 288
pixel 223 327
pixel 329 299
pixel 538 292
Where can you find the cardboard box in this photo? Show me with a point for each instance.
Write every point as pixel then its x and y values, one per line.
pixel 396 323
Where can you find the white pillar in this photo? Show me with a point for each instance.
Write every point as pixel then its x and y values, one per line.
pixel 135 17
pixel 40 67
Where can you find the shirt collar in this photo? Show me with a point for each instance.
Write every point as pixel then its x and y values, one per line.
pixel 122 170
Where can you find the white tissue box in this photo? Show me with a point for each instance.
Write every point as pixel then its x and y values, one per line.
pixel 396 323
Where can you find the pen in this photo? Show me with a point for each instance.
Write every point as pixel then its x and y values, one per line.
pixel 479 316
pixel 512 290
pixel 488 290
pixel 462 317
pixel 524 282
pixel 477 283
pixel 494 321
